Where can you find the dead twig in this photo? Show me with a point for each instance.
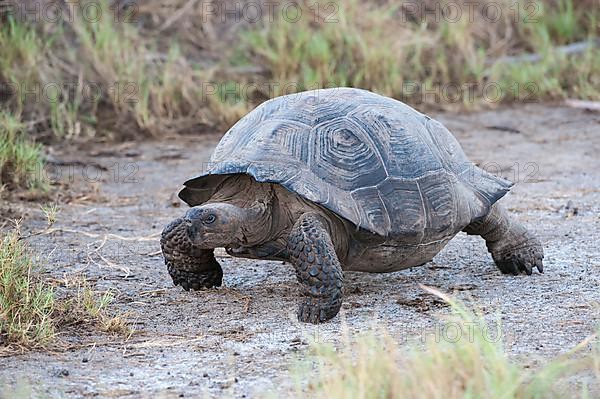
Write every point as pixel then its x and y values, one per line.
pixel 573 48
pixel 153 292
pixel 108 263
pixel 151 237
pixel 62 162
pixel 581 104
pixel 177 15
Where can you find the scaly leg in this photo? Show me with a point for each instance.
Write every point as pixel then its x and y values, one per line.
pixel 513 248
pixel 190 267
pixel 317 268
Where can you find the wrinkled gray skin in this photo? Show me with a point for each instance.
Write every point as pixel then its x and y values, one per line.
pixel 366 210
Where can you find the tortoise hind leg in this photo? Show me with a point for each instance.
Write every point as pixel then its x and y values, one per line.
pixel 317 268
pixel 513 248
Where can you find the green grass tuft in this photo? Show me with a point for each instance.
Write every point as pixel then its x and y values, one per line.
pixel 26 303
pixel 33 310
pixel 21 51
pixel 21 162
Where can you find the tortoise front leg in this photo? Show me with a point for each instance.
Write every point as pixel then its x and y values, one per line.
pixel 196 272
pixel 317 268
pixel 190 267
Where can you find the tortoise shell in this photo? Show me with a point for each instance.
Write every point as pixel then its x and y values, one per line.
pixel 373 160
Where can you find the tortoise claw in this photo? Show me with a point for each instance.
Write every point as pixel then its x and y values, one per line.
pixel 315 312
pixel 522 259
pixel 539 264
pixel 191 280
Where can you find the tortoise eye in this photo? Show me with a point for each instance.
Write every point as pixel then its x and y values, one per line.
pixel 209 219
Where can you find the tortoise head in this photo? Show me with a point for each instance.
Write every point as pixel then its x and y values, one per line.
pixel 215 225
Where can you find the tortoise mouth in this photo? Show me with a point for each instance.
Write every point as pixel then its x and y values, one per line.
pixel 235 249
pixel 201 238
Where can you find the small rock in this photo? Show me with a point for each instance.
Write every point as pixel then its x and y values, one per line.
pixel 570 209
pixel 85 360
pixel 464 287
pixel 355 290
pixel 62 373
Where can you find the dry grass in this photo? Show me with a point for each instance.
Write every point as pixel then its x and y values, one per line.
pixel 104 77
pixel 472 366
pixel 164 68
pixel 90 308
pixel 34 310
pixel 423 57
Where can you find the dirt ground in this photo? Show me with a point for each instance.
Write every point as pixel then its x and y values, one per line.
pixel 240 340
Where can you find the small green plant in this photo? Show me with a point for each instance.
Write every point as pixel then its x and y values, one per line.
pixel 91 308
pixel 50 211
pixel 26 303
pixel 21 162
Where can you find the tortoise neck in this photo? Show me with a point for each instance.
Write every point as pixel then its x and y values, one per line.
pixel 256 224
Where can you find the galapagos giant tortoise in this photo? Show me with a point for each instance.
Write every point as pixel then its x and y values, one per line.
pixel 334 180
